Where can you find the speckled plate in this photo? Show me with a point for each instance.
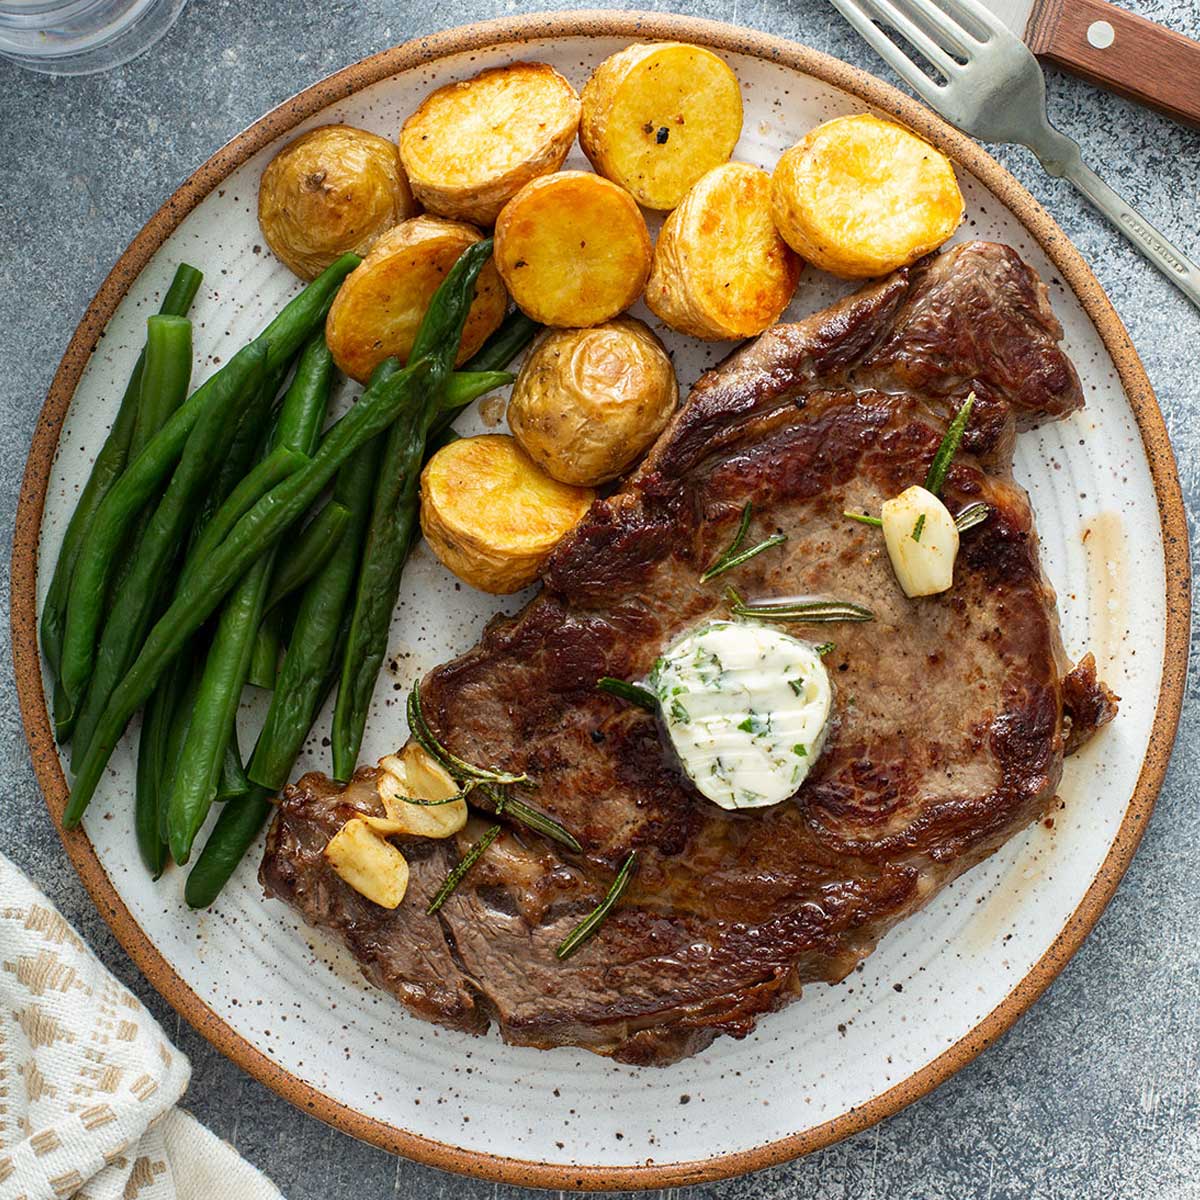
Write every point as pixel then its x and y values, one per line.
pixel 289 1005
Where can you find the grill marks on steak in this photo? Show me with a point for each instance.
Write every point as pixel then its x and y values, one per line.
pixel 953 713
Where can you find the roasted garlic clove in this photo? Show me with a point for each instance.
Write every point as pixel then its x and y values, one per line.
pixel 922 541
pixel 369 863
pixel 416 774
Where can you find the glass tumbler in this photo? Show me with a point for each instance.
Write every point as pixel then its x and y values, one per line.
pixel 79 37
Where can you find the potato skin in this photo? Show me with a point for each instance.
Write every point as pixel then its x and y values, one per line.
pixel 471 146
pixel 720 268
pixel 573 249
pixel 588 402
pixel 657 117
pixel 859 197
pixel 491 515
pixel 380 305
pixel 334 189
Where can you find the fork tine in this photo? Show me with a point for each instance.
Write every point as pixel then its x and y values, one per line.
pixel 932 17
pixel 954 11
pixel 915 30
pixel 855 11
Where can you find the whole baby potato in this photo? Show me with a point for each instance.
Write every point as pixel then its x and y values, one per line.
pixel 588 402
pixel 334 189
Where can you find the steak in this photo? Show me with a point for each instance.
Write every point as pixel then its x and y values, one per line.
pixel 952 713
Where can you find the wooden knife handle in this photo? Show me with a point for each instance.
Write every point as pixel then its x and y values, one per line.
pixel 1120 51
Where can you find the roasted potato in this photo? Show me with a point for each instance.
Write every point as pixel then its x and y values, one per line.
pixel 491 514
pixel 471 146
pixel 379 308
pixel 720 268
pixel 860 196
pixel 656 118
pixel 573 249
pixel 332 190
pixel 588 402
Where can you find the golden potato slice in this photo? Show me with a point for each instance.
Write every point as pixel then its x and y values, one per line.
pixel 491 514
pixel 588 402
pixel 368 862
pixel 720 268
pixel 473 145
pixel 860 196
pixel 380 305
pixel 334 189
pixel 573 249
pixel 656 118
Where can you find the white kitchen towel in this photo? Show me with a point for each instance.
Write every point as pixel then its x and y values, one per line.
pixel 88 1081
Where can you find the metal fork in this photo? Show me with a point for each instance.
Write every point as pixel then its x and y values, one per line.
pixel 990 85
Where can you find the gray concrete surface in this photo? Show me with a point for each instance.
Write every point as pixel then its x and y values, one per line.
pixel 1096 1092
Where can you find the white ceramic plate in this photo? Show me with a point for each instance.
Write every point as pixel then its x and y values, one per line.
pixel 290 1004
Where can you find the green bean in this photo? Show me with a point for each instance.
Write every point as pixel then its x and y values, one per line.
pixel 156 725
pixel 109 464
pixel 312 648
pixel 234 781
pixel 264 658
pixel 516 331
pixel 307 397
pixel 464 386
pixel 184 682
pixel 394 510
pixel 120 508
pixel 281 463
pixel 305 557
pixel 232 835
pixel 258 530
pixel 135 603
pixel 195 784
pixel 166 373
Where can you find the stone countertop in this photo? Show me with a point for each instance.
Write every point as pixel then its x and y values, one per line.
pixel 1096 1091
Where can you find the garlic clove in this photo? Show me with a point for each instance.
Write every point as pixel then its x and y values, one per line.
pixel 922 541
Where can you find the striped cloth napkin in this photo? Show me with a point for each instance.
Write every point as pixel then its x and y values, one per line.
pixel 88 1082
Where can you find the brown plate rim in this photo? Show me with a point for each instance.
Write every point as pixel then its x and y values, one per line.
pixel 634 25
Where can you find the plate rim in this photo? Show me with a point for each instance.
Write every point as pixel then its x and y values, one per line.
pixel 718 36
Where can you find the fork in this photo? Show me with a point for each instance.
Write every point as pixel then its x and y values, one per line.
pixel 990 85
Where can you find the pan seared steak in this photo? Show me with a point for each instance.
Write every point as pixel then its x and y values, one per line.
pixel 952 713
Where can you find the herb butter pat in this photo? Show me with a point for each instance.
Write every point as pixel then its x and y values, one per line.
pixel 747 709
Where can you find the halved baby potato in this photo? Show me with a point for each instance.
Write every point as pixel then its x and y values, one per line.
pixel 573 249
pixel 656 118
pixel 334 189
pixel 860 196
pixel 720 268
pixel 588 402
pixel 473 145
pixel 380 305
pixel 492 515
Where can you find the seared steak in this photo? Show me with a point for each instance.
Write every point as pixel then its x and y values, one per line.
pixel 952 713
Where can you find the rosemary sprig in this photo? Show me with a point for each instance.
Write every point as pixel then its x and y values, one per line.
pixel 972 515
pixel 460 868
pixel 864 518
pixel 949 447
pixel 918 527
pixel 732 558
pixel 642 697
pixel 507 804
pixel 592 922
pixel 457 767
pixel 810 611
pixel 826 648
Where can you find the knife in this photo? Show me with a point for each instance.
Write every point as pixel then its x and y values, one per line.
pixel 1112 48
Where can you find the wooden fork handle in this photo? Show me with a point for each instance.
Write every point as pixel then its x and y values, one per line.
pixel 1120 51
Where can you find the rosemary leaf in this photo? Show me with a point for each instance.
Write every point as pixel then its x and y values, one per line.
pixel 826 648
pixel 727 564
pixel 457 767
pixel 592 922
pixel 949 447
pixel 814 612
pixel 972 515
pixel 508 805
pixel 916 533
pixel 460 869
pixel 642 697
pixel 864 518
